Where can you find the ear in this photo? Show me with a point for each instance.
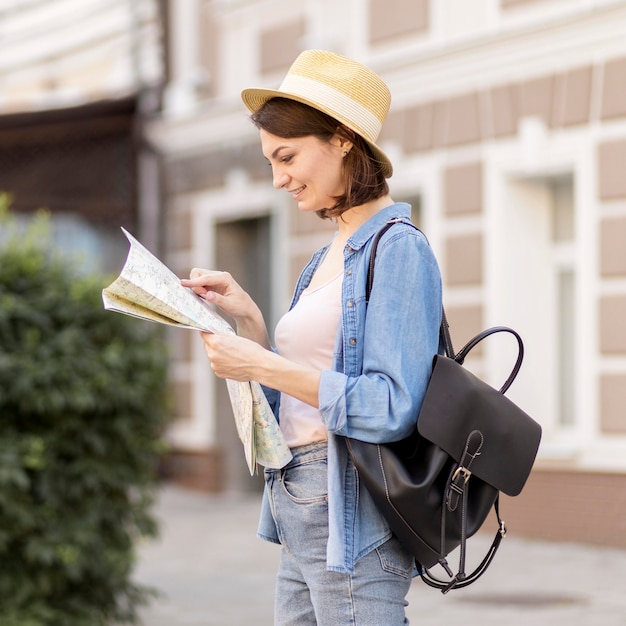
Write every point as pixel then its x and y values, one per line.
pixel 342 140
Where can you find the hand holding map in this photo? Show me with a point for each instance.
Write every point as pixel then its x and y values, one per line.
pixel 147 289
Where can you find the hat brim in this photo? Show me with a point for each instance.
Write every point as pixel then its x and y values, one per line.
pixel 254 99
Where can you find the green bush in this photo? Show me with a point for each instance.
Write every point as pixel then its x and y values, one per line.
pixel 82 409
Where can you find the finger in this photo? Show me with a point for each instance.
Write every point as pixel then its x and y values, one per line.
pixel 196 281
pixel 196 276
pixel 197 272
pixel 198 290
pixel 214 344
pixel 213 356
pixel 208 278
pixel 209 352
pixel 207 338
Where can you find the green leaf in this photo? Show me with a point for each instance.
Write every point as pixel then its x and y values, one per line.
pixel 83 405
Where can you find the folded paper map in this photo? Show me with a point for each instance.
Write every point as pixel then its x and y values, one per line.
pixel 147 289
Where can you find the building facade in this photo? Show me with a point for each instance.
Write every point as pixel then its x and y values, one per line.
pixel 507 131
pixel 77 79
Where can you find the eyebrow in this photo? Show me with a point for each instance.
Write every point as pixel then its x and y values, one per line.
pixel 275 153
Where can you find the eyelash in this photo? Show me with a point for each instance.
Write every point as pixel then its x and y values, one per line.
pixel 285 159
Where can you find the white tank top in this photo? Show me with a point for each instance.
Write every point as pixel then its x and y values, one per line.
pixel 306 335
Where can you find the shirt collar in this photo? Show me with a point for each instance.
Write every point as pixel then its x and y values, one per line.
pixel 365 232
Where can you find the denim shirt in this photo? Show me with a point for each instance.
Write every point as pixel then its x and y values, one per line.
pixel 381 366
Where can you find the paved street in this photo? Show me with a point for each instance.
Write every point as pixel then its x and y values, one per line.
pixel 213 571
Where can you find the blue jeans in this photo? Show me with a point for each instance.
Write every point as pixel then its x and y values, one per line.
pixel 307 594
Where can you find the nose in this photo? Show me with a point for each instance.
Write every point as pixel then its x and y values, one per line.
pixel 279 178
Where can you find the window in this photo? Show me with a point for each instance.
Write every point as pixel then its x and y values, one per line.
pixel 535 278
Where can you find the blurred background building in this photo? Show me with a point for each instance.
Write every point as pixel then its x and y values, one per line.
pixel 508 135
pixel 77 79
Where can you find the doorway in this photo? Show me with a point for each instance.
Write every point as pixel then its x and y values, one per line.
pixel 242 247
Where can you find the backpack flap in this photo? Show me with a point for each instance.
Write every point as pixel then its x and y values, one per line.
pixel 458 403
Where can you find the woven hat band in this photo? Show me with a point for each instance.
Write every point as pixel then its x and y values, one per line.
pixel 337 104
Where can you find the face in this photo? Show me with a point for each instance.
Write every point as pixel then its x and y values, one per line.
pixel 309 169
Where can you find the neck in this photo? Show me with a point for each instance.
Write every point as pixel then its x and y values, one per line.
pixel 350 221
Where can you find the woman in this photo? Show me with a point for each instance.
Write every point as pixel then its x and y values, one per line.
pixel 337 369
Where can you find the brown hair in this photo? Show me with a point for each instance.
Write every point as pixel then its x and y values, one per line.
pixel 364 176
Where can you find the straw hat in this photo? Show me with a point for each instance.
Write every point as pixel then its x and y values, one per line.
pixel 340 87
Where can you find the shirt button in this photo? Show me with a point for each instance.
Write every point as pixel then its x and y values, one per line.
pixel 349 272
pixel 352 341
pixel 350 303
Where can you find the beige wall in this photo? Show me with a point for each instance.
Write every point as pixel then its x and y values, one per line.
pixel 560 100
pixel 614 89
pixel 612 250
pixel 613 324
pixel 463 189
pixel 561 505
pixel 397 18
pixel 463 260
pixel 465 322
pixel 613 246
pixel 612 393
pixel 611 164
pixel 279 46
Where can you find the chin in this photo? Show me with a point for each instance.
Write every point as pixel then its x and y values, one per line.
pixel 306 208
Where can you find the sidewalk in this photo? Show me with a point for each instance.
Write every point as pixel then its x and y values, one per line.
pixel 213 571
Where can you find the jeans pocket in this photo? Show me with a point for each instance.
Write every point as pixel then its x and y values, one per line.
pixel 306 483
pixel 395 559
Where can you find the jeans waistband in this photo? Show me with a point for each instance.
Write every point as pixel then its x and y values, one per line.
pixel 309 452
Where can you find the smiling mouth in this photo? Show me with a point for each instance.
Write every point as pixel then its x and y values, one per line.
pixel 298 191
